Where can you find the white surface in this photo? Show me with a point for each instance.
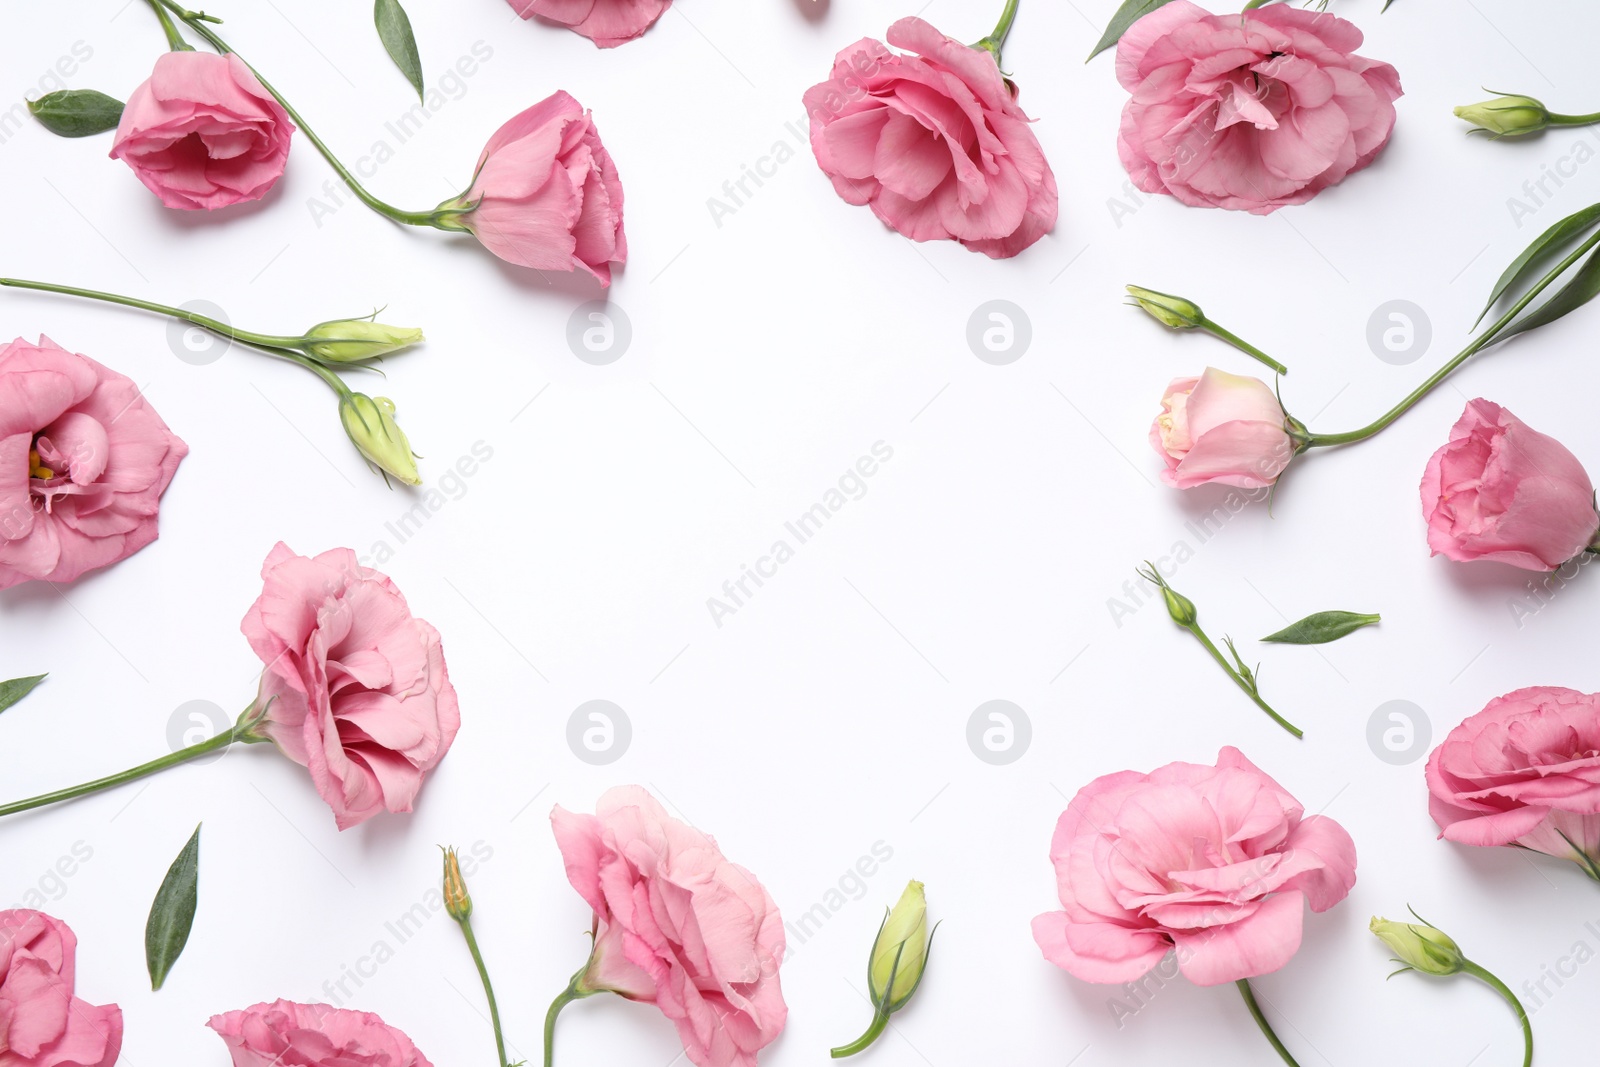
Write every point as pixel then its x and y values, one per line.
pixel 829 713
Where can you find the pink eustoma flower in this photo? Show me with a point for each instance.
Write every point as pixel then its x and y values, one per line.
pixel 933 142
pixel 607 23
pixel 1249 112
pixel 285 1034
pixel 1217 863
pixel 84 461
pixel 1501 490
pixel 203 132
pixel 43 1022
pixel 355 687
pixel 1223 428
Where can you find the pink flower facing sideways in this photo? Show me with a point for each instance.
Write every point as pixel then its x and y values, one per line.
pixel 1523 771
pixel 1215 862
pixel 1249 112
pixel 1501 490
pixel 285 1034
pixel 1223 428
pixel 546 194
pixel 677 925
pixel 355 687
pixel 934 142
pixel 43 1022
pixel 607 23
pixel 203 132
pixel 84 461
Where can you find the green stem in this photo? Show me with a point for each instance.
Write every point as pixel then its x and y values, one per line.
pixel 1249 690
pixel 175 41
pixel 997 39
pixel 1244 346
pixel 880 1020
pixel 1510 998
pixel 574 991
pixel 488 988
pixel 240 733
pixel 1320 440
pixel 196 21
pixel 1261 1021
pixel 1575 120
pixel 222 329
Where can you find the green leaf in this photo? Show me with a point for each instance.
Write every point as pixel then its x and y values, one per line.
pixel 1546 247
pixel 1581 288
pixel 77 112
pixel 1130 12
pixel 1321 628
pixel 172 914
pixel 17 688
pixel 394 27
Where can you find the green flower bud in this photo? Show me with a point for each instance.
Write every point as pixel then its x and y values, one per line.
pixel 1180 607
pixel 1173 311
pixel 372 429
pixel 901 951
pixel 353 340
pixel 1420 947
pixel 1507 116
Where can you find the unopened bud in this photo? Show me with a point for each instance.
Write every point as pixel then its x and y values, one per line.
pixel 457 901
pixel 355 340
pixel 1173 311
pixel 373 430
pixel 1507 116
pixel 1421 947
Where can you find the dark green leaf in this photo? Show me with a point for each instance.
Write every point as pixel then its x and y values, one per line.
pixel 1321 628
pixel 172 914
pixel 1130 12
pixel 1582 287
pixel 1546 247
pixel 394 27
pixel 17 688
pixel 77 112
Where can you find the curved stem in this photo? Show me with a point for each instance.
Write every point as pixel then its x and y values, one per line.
pixel 1510 998
pixel 196 21
pixel 220 328
pixel 997 39
pixel 488 988
pixel 1321 440
pixel 175 41
pixel 1261 1021
pixel 1575 120
pixel 1244 346
pixel 568 995
pixel 880 1020
pixel 1249 691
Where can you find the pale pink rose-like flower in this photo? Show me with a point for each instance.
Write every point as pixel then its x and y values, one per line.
pixel 1217 863
pixel 1223 428
pixel 546 193
pixel 84 461
pixel 1249 112
pixel 677 925
pixel 1501 490
pixel 43 1022
pixel 355 687
pixel 1524 771
pixel 607 23
pixel 285 1034
pixel 203 132
pixel 933 142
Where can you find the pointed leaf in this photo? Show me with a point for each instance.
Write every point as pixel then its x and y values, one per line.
pixel 1582 287
pixel 77 112
pixel 1130 12
pixel 1546 247
pixel 172 915
pixel 394 28
pixel 13 691
pixel 1321 628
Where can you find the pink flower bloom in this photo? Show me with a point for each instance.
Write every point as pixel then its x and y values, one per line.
pixel 1223 428
pixel 1502 490
pixel 933 142
pixel 43 1023
pixel 355 688
pixel 203 132
pixel 84 460
pixel 1523 771
pixel 547 194
pixel 607 23
pixel 677 925
pixel 1215 862
pixel 284 1034
pixel 1249 112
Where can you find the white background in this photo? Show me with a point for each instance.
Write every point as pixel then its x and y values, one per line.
pixel 829 713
